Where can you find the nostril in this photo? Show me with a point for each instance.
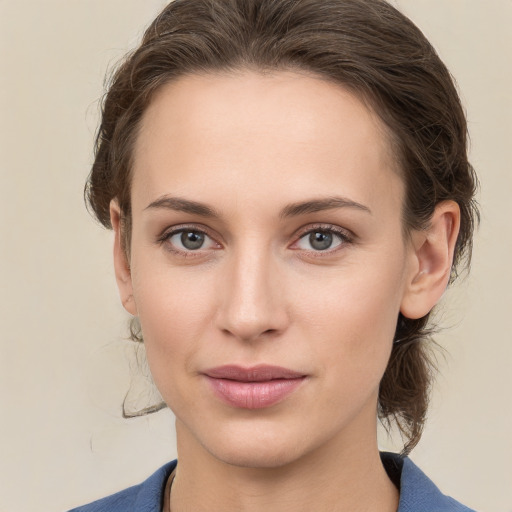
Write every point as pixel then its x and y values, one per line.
pixel 251 334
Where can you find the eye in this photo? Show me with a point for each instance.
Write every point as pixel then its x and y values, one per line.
pixel 321 239
pixel 187 240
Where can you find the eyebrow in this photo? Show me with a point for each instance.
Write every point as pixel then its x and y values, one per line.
pixel 292 210
pixel 183 205
pixel 318 205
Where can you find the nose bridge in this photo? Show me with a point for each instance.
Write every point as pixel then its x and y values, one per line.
pixel 252 302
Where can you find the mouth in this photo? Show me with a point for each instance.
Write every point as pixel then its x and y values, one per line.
pixel 253 388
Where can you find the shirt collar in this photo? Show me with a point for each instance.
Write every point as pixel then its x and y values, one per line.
pixel 417 492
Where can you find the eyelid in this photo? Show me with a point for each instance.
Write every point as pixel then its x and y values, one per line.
pixel 346 236
pixel 169 232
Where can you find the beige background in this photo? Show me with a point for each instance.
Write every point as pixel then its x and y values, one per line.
pixel 64 367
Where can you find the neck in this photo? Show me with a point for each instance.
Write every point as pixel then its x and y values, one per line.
pixel 341 477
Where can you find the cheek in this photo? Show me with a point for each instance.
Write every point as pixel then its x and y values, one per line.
pixel 174 308
pixel 352 320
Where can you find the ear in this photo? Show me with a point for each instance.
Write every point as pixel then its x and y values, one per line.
pixel 431 261
pixel 121 263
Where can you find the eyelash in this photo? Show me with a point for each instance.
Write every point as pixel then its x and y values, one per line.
pixel 165 237
pixel 344 236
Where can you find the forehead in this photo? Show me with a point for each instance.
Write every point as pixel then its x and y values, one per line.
pixel 248 129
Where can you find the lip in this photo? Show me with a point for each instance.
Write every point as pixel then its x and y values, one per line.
pixel 256 387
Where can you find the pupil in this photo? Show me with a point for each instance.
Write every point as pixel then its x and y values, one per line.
pixel 192 240
pixel 320 241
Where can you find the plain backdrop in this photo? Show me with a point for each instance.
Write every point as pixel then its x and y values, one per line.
pixel 64 363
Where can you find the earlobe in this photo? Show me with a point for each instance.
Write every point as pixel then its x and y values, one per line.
pixel 432 251
pixel 121 263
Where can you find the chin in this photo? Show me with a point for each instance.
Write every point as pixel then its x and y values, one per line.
pixel 256 458
pixel 257 449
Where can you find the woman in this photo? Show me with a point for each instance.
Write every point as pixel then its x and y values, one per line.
pixel 290 194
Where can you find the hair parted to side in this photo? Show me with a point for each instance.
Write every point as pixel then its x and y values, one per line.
pixel 366 46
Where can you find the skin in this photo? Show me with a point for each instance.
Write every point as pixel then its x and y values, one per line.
pixel 248 146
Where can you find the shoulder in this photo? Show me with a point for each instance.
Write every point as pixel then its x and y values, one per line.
pixel 145 497
pixel 417 492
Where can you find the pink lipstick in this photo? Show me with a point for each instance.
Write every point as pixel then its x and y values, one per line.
pixel 253 388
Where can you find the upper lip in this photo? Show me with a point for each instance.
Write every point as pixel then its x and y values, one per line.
pixel 259 373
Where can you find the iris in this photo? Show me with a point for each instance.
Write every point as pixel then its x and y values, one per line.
pixel 320 241
pixel 192 240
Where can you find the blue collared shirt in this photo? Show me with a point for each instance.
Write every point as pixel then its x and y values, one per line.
pixel 417 492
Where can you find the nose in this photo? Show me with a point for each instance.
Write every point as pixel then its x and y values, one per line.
pixel 252 299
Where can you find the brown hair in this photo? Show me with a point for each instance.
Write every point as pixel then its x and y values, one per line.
pixel 364 45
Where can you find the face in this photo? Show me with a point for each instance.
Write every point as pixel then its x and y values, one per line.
pixel 267 262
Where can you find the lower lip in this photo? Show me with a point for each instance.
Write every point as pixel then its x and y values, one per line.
pixel 253 395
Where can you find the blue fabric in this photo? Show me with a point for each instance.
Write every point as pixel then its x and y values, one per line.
pixel 145 497
pixel 417 492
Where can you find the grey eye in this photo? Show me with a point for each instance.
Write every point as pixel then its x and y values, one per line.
pixel 320 241
pixel 192 240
